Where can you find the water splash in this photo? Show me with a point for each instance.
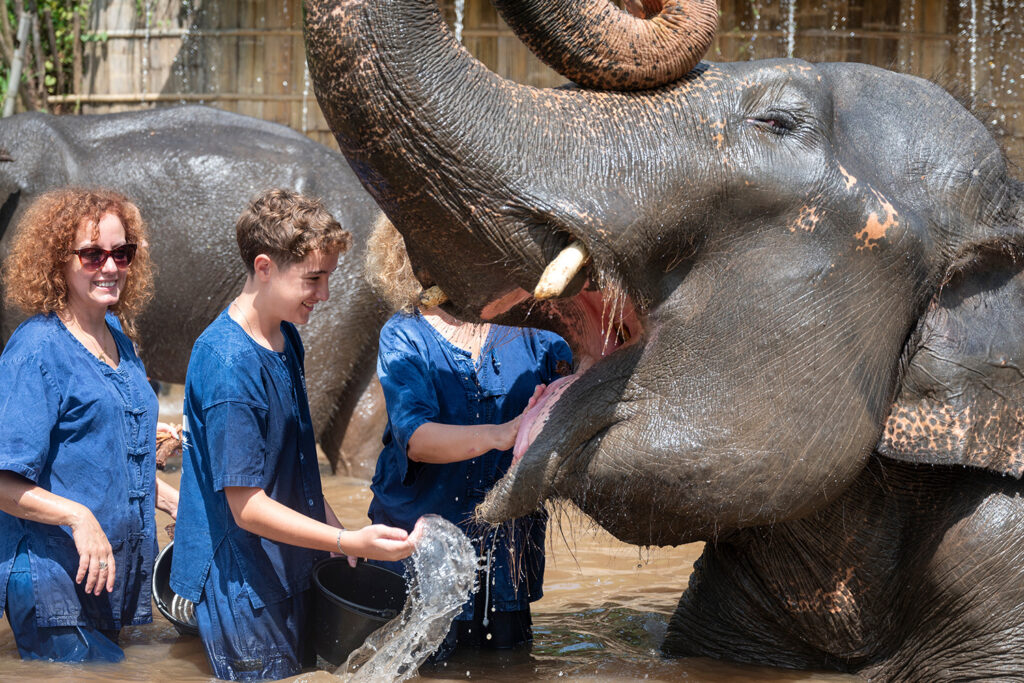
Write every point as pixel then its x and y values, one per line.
pixel 442 576
pixel 147 11
pixel 305 96
pixel 791 28
pixel 460 18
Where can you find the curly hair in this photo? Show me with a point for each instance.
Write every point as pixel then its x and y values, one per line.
pixel 388 269
pixel 34 269
pixel 286 226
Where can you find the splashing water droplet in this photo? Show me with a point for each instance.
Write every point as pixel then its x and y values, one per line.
pixel 441 577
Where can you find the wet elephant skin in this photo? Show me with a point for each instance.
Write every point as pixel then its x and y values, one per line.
pixel 192 170
pixel 810 275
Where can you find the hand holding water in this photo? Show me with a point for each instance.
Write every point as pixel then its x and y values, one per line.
pixel 376 542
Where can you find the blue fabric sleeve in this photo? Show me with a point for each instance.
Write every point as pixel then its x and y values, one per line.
pixel 29 408
pixel 236 434
pixel 408 392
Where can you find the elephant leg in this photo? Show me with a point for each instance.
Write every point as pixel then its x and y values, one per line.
pixel 725 614
pixel 355 406
pixel 964 612
pixel 362 442
pixel 912 575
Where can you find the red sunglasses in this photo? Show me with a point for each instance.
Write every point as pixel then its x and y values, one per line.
pixel 93 258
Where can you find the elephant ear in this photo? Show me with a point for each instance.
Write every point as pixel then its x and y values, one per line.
pixel 961 400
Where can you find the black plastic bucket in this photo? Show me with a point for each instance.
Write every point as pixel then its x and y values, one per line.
pixel 350 603
pixel 176 609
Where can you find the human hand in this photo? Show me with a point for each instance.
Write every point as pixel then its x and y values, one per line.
pixel 377 542
pixel 538 392
pixel 507 431
pixel 95 556
pixel 168 443
pixel 172 430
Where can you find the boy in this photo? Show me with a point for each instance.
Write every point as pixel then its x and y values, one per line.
pixel 252 519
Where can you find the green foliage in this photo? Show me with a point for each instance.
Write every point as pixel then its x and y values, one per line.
pixel 57 57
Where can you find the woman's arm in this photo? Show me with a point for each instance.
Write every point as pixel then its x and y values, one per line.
pixel 166 498
pixel 21 498
pixel 440 443
pixel 258 513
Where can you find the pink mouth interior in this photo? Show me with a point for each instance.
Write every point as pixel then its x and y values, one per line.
pixel 533 421
pixel 598 330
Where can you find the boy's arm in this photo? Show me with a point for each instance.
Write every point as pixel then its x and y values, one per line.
pixel 258 513
pixel 332 520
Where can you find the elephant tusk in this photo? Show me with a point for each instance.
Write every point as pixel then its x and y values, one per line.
pixel 560 272
pixel 432 296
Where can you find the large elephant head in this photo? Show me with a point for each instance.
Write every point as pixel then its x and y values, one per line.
pixel 764 252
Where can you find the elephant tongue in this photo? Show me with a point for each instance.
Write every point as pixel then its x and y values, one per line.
pixel 533 421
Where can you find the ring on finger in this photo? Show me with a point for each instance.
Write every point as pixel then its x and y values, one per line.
pixel 102 564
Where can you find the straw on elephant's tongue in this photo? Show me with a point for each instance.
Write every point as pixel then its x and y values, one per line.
pixel 533 421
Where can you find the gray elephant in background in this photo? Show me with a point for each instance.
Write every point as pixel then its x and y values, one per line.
pixel 192 170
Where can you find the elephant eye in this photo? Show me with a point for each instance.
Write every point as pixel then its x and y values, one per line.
pixel 775 122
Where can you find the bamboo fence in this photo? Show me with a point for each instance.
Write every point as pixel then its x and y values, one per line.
pixel 247 55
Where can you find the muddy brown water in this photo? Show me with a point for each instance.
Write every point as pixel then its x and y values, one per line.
pixel 602 617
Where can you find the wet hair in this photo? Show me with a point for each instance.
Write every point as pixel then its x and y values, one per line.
pixel 388 269
pixel 287 227
pixel 33 271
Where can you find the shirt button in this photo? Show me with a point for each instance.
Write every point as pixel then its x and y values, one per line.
pixel 310 502
pixel 300 456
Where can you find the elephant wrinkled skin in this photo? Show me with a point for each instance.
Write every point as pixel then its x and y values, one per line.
pixel 192 170
pixel 800 327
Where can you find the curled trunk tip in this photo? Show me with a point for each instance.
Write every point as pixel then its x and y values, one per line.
pixel 596 45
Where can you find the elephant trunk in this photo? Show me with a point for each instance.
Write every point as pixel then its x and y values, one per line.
pixel 426 127
pixel 389 75
pixel 594 44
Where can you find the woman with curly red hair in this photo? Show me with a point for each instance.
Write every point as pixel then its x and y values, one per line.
pixel 77 448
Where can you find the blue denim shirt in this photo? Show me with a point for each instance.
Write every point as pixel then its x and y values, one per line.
pixel 247 423
pixel 87 432
pixel 427 379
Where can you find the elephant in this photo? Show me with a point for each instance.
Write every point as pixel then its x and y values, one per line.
pixel 794 292
pixel 191 170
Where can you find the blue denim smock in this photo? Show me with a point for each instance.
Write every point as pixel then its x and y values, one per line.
pixel 87 432
pixel 427 379
pixel 247 423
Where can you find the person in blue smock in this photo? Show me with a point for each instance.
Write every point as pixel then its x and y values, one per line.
pixel 78 478
pixel 454 394
pixel 253 519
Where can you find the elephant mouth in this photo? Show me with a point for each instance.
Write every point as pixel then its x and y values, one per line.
pixel 598 323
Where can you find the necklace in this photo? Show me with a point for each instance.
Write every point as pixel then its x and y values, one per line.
pixel 245 319
pixel 84 339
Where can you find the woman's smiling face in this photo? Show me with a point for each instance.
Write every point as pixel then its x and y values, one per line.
pixel 100 288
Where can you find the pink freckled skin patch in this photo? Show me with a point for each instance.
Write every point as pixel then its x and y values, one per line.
pixel 876 227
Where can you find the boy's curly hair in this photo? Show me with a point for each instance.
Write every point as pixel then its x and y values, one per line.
pixel 388 269
pixel 287 226
pixel 34 269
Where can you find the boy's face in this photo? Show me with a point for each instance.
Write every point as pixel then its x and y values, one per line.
pixel 293 290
